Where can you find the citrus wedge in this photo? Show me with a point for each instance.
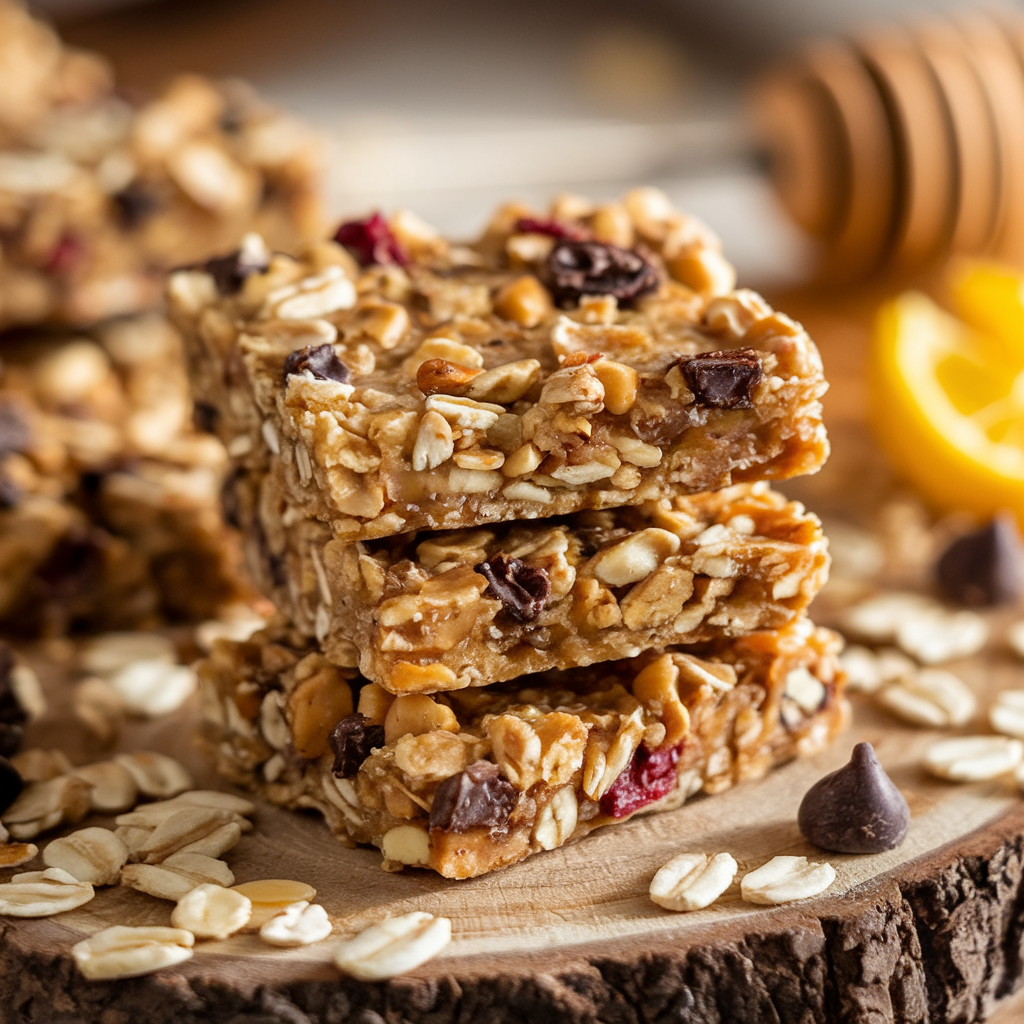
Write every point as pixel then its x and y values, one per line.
pixel 948 400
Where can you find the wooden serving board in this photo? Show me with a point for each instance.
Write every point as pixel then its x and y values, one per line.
pixel 931 932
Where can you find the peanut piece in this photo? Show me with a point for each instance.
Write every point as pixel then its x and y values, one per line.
pixel 524 301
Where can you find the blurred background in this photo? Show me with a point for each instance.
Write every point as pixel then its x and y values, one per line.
pixel 450 107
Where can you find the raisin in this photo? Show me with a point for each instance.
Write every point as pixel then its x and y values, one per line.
pixel 15 435
pixel 230 272
pixel 204 417
pixel 552 227
pixel 596 268
pixel 650 776
pixel 11 784
pixel 75 565
pixel 523 590
pixel 134 204
pixel 371 241
pixel 352 740
pixel 723 380
pixel 478 797
pixel 985 567
pixel 319 360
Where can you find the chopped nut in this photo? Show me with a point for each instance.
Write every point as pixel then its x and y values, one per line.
pixel 634 558
pixel 412 714
pixel 704 270
pixel 394 946
pixel 407 845
pixel 785 879
pixel 123 952
pixel 212 912
pixel 506 383
pixel 439 376
pixel 556 820
pixel 620 385
pixel 314 707
pixel 693 881
pixel 524 301
pixel 656 687
pixel 434 442
pixel 465 412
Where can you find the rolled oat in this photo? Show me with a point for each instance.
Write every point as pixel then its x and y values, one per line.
pixel 394 946
pixel 786 879
pixel 973 758
pixel 693 881
pixel 300 924
pixel 123 952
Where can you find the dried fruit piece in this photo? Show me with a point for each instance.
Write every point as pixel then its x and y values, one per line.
pixel 122 952
pixel 973 758
pixel 550 226
pixel 477 797
pixel 230 272
pixel 693 881
pixel 321 361
pixel 579 268
pixel 523 590
pixel 985 567
pixel 856 809
pixel 650 776
pixel 723 380
pixel 352 740
pixel 300 924
pixel 371 241
pixel 394 946
pixel 785 879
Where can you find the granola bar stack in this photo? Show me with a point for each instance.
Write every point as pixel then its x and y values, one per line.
pixel 109 496
pixel 511 502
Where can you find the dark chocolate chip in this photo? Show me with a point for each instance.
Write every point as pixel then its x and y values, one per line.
pixel 204 417
pixel 596 268
pixel 723 380
pixel 985 567
pixel 11 784
pixel 524 590
pixel 856 809
pixel 478 797
pixel 319 360
pixel 552 227
pixel 134 204
pixel 371 241
pixel 352 740
pixel 15 435
pixel 230 272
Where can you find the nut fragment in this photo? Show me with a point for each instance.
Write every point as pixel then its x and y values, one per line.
pixel 406 845
pixel 394 946
pixel 973 758
pixel 442 377
pixel 212 912
pixel 785 879
pixel 931 697
pixel 556 820
pixel 1006 714
pixel 634 558
pixel 524 301
pixel 92 855
pixel 693 881
pixel 122 952
pixel 412 714
pixel 434 442
pixel 157 775
pixel 300 924
pixel 43 893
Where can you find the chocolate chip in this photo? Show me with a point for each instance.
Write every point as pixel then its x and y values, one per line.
pixel 134 204
pixel 15 435
pixel 478 797
pixel 319 360
pixel 11 784
pixel 595 268
pixel 204 417
pixel 523 590
pixel 230 272
pixel 371 241
pixel 352 740
pixel 723 380
pixel 550 226
pixel 985 567
pixel 856 809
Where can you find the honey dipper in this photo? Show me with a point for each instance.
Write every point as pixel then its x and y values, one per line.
pixel 900 145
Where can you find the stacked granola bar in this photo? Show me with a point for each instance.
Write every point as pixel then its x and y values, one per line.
pixel 109 495
pixel 511 501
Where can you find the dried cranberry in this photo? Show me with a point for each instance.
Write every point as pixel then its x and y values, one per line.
pixel 524 590
pixel 478 797
pixel 352 740
pixel 371 241
pixel 319 360
pixel 596 268
pixel 11 784
pixel 230 272
pixel 723 380
pixel 552 227
pixel 66 256
pixel 650 776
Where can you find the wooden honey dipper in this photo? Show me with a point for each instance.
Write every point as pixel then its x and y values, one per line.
pixel 901 145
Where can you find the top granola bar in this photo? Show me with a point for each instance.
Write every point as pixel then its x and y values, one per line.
pixel 594 358
pixel 99 198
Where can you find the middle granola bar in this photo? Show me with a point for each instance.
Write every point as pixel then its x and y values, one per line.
pixel 441 611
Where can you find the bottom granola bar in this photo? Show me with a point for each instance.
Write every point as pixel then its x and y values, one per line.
pixel 474 780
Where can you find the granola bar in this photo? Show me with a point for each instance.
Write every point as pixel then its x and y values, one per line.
pixel 442 611
pixel 475 780
pixel 595 358
pixel 98 199
pixel 109 497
